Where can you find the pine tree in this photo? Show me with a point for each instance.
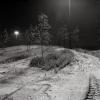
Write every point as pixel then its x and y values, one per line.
pixel 43 30
pixel 6 38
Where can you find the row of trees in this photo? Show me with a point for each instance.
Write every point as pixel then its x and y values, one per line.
pixel 68 38
pixel 40 34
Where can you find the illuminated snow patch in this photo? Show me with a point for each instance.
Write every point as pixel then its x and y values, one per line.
pixel 58 49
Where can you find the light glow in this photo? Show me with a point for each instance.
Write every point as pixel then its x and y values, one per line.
pixel 16 33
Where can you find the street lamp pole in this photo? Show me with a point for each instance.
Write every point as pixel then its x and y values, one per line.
pixel 69 22
pixel 69 7
pixel 16 36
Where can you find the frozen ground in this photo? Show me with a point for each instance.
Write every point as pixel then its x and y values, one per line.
pixel 20 82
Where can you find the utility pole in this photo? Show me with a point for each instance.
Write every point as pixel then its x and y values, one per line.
pixel 69 24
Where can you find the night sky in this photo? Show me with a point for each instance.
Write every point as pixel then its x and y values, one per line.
pixel 84 13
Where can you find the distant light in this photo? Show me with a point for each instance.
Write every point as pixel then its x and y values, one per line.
pixel 16 33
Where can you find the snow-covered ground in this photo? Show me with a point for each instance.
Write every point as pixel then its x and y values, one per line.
pixel 70 83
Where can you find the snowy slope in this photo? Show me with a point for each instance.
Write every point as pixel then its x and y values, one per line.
pixel 70 83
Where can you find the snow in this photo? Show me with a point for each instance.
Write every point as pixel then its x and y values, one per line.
pixel 68 84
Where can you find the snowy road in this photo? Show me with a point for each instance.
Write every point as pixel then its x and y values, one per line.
pixel 71 83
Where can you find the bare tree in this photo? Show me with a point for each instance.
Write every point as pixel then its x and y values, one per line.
pixel 98 38
pixel 68 37
pixel 75 36
pixel 28 36
pixel 62 35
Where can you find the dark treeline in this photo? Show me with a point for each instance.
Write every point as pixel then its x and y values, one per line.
pixel 43 33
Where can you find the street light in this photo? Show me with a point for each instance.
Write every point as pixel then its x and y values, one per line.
pixel 16 33
pixel 70 35
pixel 69 6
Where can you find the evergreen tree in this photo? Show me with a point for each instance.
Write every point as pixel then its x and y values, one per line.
pixel 43 28
pixel 5 38
pixel 43 31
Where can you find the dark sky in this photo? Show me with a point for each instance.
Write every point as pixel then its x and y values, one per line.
pixel 24 11
pixel 15 12
pixel 85 13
